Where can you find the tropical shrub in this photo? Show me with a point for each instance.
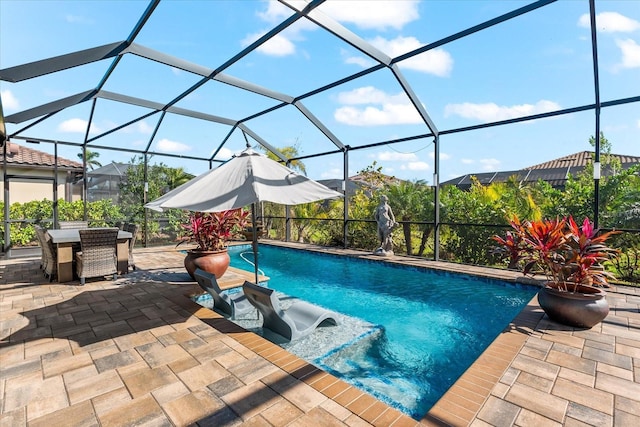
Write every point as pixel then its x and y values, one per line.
pixel 467 242
pixel 627 265
pixel 567 253
pixel 103 213
pixel 100 213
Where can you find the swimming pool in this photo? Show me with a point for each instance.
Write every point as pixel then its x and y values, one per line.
pixel 434 324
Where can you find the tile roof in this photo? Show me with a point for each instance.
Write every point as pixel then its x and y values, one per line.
pixel 19 155
pixel 555 172
pixel 112 169
pixel 581 159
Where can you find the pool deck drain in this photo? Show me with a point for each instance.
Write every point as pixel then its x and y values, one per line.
pixel 137 351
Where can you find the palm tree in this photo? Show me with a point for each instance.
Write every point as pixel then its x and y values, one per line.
pixel 306 210
pixel 406 200
pixel 290 152
pixel 427 209
pixel 175 177
pixel 519 199
pixel 92 159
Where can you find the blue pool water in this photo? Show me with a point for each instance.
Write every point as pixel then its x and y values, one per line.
pixel 435 324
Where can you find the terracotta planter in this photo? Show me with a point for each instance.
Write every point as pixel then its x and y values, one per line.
pixel 215 262
pixel 584 308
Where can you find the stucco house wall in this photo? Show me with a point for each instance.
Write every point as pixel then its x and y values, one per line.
pixel 31 174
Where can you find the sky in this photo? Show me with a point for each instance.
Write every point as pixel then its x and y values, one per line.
pixel 535 63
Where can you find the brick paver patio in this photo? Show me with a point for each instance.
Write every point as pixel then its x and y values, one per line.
pixel 137 351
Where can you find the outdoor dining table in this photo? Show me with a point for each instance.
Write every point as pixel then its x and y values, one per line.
pixel 64 241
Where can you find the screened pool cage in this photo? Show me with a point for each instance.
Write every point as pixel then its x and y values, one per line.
pixel 296 103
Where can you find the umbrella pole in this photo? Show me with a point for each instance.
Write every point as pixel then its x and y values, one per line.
pixel 255 241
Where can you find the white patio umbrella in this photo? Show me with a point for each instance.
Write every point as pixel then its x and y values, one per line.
pixel 246 179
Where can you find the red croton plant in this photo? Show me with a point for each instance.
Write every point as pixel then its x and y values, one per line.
pixel 212 230
pixel 567 253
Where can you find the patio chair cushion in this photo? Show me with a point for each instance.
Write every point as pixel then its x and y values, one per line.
pixel 65 225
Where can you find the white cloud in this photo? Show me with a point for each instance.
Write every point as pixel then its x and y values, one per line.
pixel 283 43
pixel 357 60
pixel 437 61
pixel 144 127
pixel 275 12
pixel 223 154
pixel 331 173
pixel 490 112
pixel 388 114
pixel 638 124
pixel 379 15
pixel 138 127
pixel 443 156
pixel 610 22
pixel 415 166
pixel 78 19
pixel 630 53
pixel 395 156
pixel 390 109
pixel 167 146
pixel 77 126
pixel 9 101
pixel 278 45
pixel 490 165
pixel 467 161
pixel 370 95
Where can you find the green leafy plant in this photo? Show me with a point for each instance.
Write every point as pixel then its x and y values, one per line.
pixel 102 213
pixel 627 265
pixel 567 253
pixel 211 231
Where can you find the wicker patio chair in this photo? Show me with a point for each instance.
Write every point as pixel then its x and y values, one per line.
pixel 133 229
pixel 49 254
pixel 39 235
pixel 97 256
pixel 64 225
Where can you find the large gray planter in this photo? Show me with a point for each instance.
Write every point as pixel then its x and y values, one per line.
pixel 584 308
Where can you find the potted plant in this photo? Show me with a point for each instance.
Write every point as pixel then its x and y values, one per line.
pixel 571 256
pixel 211 231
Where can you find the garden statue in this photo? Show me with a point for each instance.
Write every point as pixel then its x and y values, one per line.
pixel 386 223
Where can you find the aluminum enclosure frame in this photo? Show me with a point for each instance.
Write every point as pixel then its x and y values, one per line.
pixel 116 51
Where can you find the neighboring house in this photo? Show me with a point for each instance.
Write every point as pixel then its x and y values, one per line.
pixel 336 185
pixel 556 172
pixel 30 174
pixel 104 182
